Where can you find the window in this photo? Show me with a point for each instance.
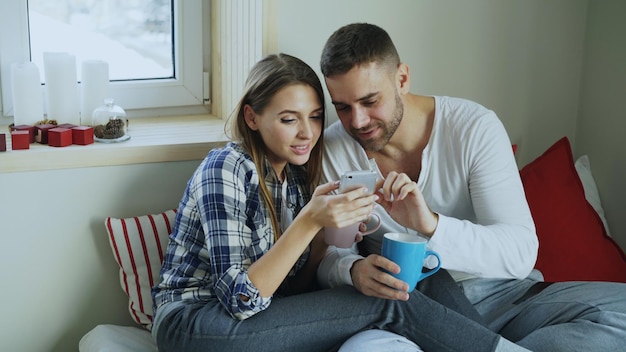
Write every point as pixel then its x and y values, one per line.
pixel 135 38
pixel 181 86
pixel 182 83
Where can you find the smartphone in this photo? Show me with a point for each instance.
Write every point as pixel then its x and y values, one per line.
pixel 354 179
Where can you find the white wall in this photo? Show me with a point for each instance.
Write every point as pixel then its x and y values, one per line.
pixel 602 120
pixel 522 58
pixel 59 277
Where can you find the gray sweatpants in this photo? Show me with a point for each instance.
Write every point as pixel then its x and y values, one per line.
pixel 564 316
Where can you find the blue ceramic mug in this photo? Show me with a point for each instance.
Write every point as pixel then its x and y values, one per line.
pixel 409 252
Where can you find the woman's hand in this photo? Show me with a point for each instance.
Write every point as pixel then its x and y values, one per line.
pixel 404 202
pixel 339 210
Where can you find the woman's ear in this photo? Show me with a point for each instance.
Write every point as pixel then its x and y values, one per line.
pixel 403 78
pixel 250 117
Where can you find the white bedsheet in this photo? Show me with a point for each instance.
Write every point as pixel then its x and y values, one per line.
pixel 115 338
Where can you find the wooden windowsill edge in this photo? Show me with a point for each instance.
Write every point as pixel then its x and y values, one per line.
pixel 153 139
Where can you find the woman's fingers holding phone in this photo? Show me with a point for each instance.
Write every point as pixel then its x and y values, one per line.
pixel 326 188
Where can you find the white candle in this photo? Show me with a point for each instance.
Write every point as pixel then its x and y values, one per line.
pixel 61 87
pixel 27 97
pixel 95 87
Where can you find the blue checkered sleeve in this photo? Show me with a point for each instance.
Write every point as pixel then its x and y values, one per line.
pixel 238 230
pixel 221 228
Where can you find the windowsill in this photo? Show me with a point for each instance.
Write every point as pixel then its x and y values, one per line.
pixel 154 139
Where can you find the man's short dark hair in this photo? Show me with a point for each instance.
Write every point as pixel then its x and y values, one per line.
pixel 356 44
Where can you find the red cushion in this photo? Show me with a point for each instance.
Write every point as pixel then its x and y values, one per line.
pixel 573 244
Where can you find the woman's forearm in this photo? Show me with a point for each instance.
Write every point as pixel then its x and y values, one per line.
pixel 272 268
pixel 305 279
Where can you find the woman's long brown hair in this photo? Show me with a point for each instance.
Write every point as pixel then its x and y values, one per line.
pixel 266 78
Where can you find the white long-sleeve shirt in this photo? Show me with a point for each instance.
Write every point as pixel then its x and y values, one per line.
pixel 470 178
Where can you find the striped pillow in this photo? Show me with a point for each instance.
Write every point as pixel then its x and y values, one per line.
pixel 138 244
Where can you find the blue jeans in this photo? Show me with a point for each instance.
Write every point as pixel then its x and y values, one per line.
pixel 564 316
pixel 319 321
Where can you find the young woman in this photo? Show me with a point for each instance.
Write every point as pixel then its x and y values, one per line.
pixel 247 238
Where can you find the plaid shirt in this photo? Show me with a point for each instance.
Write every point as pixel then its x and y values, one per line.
pixel 222 227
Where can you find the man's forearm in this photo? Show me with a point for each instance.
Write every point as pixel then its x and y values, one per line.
pixel 334 269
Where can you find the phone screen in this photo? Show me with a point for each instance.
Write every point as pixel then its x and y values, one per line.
pixel 354 179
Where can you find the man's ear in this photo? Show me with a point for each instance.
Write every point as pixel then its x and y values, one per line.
pixel 403 78
pixel 250 117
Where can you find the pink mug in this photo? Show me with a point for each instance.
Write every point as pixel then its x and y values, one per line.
pixel 344 237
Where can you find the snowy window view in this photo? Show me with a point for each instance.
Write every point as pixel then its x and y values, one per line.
pixel 134 36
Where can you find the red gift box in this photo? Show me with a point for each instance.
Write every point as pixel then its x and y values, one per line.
pixel 59 137
pixel 41 133
pixel 82 135
pixel 3 142
pixel 20 140
pixel 30 129
pixel 69 126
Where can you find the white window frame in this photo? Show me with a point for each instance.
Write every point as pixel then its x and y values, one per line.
pixel 184 90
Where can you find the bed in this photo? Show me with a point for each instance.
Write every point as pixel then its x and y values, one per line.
pixel 561 193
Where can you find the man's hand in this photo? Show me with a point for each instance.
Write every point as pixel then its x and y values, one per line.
pixel 369 277
pixel 403 200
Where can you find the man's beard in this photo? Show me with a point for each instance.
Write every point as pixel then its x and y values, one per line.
pixel 374 145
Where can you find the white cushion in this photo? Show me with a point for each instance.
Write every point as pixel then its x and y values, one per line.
pixel 113 338
pixel 138 245
pixel 583 168
pixel 375 340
